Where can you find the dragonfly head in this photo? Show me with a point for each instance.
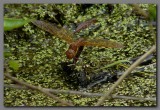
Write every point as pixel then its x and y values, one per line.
pixel 70 53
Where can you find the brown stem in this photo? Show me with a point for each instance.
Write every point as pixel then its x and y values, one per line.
pixel 37 88
pixel 82 93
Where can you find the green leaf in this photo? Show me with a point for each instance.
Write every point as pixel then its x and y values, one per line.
pixel 11 23
pixel 14 64
pixel 152 12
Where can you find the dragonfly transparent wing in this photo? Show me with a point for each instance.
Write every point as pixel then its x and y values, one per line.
pixel 53 29
pixel 102 43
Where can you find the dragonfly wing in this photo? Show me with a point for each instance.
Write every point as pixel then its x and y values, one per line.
pixel 54 30
pixel 102 43
pixel 85 24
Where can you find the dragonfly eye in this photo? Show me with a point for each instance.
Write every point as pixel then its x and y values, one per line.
pixel 70 53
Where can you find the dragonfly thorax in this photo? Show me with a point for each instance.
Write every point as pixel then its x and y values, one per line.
pixel 71 52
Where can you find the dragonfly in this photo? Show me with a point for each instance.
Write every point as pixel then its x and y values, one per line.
pixel 75 46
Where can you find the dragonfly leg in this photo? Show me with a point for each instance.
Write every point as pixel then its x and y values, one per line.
pixel 80 49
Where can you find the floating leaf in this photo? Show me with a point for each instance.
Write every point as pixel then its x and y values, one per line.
pixel 10 23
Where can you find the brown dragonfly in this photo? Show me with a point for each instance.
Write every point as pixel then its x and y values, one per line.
pixel 76 46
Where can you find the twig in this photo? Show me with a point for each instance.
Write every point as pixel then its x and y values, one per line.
pixel 38 88
pixel 83 93
pixel 127 72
